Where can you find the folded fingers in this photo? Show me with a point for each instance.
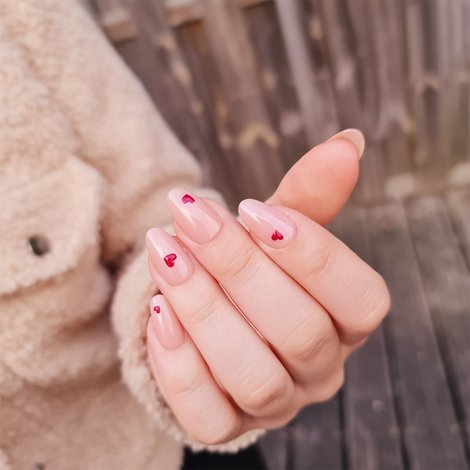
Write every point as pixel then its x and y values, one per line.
pixel 295 325
pixel 236 355
pixel 353 293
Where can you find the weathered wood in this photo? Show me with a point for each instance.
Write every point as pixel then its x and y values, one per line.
pixel 316 437
pixel 156 53
pixel 425 410
pixel 459 51
pixel 433 80
pixel 220 167
pixel 277 82
pixel 389 117
pixel 116 20
pixel 458 204
pixel 315 95
pixel 446 281
pixel 398 70
pixel 372 435
pixel 181 12
pixel 250 127
pixel 274 448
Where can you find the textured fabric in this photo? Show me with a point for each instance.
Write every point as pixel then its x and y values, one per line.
pixel 85 165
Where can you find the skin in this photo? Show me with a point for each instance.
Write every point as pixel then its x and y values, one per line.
pixel 249 331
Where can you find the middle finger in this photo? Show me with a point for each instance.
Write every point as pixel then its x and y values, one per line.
pixel 297 327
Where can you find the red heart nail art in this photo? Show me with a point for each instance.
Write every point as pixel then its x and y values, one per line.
pixel 156 309
pixel 277 235
pixel 170 260
pixel 187 198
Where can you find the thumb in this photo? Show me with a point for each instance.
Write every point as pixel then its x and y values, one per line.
pixel 320 183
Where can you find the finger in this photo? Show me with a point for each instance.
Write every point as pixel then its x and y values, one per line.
pixel 297 327
pixel 320 183
pixel 185 380
pixel 350 290
pixel 237 356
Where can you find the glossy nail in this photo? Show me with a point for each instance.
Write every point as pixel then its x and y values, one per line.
pixel 165 323
pixel 272 226
pixel 194 216
pixel 355 136
pixel 168 256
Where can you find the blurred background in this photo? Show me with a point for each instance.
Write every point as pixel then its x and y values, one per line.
pixel 251 85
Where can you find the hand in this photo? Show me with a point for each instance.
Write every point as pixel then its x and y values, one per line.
pixel 253 325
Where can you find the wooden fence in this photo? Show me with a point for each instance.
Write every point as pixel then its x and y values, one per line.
pixel 250 85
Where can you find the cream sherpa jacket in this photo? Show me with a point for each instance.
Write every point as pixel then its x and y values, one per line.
pixel 85 165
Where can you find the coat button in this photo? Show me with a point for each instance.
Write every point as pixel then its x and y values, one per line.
pixel 39 245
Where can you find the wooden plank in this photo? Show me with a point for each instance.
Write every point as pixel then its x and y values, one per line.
pixel 155 56
pixel 372 435
pixel 390 119
pixel 458 204
pixel 446 281
pixel 460 58
pixel 260 168
pixel 315 96
pixel 277 82
pixel 116 20
pixel 431 433
pixel 316 437
pixel 355 86
pixel 273 447
pixel 433 69
pixel 182 12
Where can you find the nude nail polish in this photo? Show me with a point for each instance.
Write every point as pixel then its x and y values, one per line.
pixel 272 226
pixel 194 216
pixel 355 136
pixel 165 323
pixel 168 257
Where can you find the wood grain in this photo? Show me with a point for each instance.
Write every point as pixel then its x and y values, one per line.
pixel 316 437
pixel 446 281
pixel 250 128
pixel 372 434
pixel 431 432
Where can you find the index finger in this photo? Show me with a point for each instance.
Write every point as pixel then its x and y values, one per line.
pixel 353 293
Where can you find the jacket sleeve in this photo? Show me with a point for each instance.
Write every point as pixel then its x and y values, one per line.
pixel 123 136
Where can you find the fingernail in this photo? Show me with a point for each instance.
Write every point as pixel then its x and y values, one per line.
pixel 195 217
pixel 355 136
pixel 165 323
pixel 168 256
pixel 272 226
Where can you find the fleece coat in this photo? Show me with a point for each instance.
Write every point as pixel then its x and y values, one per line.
pixel 86 162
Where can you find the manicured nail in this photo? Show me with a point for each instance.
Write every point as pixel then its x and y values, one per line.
pixel 355 136
pixel 272 226
pixel 168 256
pixel 195 217
pixel 165 323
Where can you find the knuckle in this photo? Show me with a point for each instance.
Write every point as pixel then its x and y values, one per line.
pixel 242 265
pixel 181 384
pixel 330 387
pixel 376 305
pixel 199 312
pixel 218 432
pixel 308 342
pixel 265 396
pixel 318 261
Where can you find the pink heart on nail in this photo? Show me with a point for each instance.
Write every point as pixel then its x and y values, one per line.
pixel 187 198
pixel 277 235
pixel 170 260
pixel 156 309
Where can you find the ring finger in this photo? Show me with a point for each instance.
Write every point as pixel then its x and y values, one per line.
pixel 237 356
